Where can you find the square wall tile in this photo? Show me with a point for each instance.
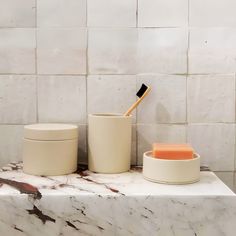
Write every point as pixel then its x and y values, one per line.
pixel 212 50
pixel 17 51
pixel 112 51
pixel 215 143
pixel 61 13
pixel 15 13
pixel 162 50
pixel 11 143
pixel 62 99
pixel 61 51
pixel 211 98
pixel 111 93
pixel 212 13
pixel 149 134
pixel 112 13
pixel 17 99
pixel 166 103
pixel 162 13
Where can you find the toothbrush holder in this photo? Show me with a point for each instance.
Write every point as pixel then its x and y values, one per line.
pixel 109 143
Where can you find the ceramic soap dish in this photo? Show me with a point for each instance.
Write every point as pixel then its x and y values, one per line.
pixel 171 171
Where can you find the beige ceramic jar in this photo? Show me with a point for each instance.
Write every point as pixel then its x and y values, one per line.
pixel 109 143
pixel 50 149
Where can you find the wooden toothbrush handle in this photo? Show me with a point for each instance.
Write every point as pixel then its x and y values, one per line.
pixel 127 113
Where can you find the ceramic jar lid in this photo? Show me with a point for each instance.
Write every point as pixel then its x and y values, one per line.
pixel 50 132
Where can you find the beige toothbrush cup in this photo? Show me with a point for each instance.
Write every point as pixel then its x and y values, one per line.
pixel 109 143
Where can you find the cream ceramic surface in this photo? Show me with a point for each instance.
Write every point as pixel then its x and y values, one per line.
pixel 171 171
pixel 85 203
pixel 50 149
pixel 109 143
pixel 51 132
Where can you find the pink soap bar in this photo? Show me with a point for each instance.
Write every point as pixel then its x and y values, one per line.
pixel 172 151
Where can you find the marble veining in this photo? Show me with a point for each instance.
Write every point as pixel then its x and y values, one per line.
pixel 86 203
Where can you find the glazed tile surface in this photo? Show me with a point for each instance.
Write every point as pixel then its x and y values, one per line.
pixel 86 203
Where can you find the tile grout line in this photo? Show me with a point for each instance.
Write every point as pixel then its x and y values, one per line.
pixel 187 61
pixel 145 74
pixel 137 13
pixel 86 80
pixel 146 124
pixel 136 81
pixel 36 59
pixel 234 125
pixel 136 125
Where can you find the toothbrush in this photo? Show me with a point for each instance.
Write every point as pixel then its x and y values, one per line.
pixel 142 93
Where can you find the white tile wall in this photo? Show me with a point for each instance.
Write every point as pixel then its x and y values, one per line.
pixel 61 13
pixel 212 50
pixel 111 93
pixel 62 99
pixel 61 51
pixel 15 13
pixel 149 134
pixel 167 100
pixel 10 143
pixel 112 51
pixel 212 13
pixel 17 99
pixel 112 13
pixel 17 50
pixel 162 13
pixel 63 59
pixel 211 98
pixel 215 143
pixel 162 50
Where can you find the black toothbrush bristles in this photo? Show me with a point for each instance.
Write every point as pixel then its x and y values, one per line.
pixel 142 93
pixel 142 90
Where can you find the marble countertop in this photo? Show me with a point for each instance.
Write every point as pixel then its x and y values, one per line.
pixel 86 203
